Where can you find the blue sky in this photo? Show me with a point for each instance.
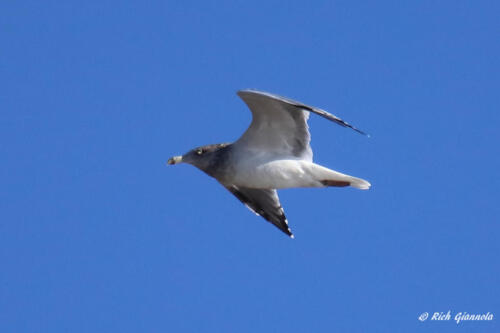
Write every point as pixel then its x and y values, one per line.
pixel 98 235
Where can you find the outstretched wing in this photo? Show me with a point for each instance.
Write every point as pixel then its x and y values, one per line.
pixel 279 124
pixel 264 203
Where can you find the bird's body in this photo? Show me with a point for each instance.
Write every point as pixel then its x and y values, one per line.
pixel 287 173
pixel 274 153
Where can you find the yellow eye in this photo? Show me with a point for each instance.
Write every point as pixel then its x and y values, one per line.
pixel 199 152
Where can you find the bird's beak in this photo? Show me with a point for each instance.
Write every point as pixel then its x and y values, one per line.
pixel 174 160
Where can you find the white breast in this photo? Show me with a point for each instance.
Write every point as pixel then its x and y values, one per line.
pixel 276 174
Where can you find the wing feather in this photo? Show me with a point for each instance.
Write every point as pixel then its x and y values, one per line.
pixel 299 105
pixel 264 203
pixel 279 125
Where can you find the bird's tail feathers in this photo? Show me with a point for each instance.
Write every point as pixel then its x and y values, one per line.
pixel 347 181
pixel 329 177
pixel 359 183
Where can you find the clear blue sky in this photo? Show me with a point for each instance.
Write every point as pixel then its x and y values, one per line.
pixel 97 234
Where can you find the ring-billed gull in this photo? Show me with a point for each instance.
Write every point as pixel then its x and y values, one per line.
pixel 273 153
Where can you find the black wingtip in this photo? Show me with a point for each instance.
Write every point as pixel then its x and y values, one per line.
pixel 346 124
pixel 361 132
pixel 285 229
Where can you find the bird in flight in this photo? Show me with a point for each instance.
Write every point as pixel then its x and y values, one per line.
pixel 273 153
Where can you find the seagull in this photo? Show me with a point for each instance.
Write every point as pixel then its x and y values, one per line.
pixel 273 153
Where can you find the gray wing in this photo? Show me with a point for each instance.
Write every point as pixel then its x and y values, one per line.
pixel 279 124
pixel 264 203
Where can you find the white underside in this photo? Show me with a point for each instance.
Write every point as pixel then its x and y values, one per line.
pixel 288 173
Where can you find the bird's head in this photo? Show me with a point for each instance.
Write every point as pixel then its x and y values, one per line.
pixel 201 157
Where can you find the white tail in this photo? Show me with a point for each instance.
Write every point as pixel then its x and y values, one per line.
pixel 359 183
pixel 329 177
